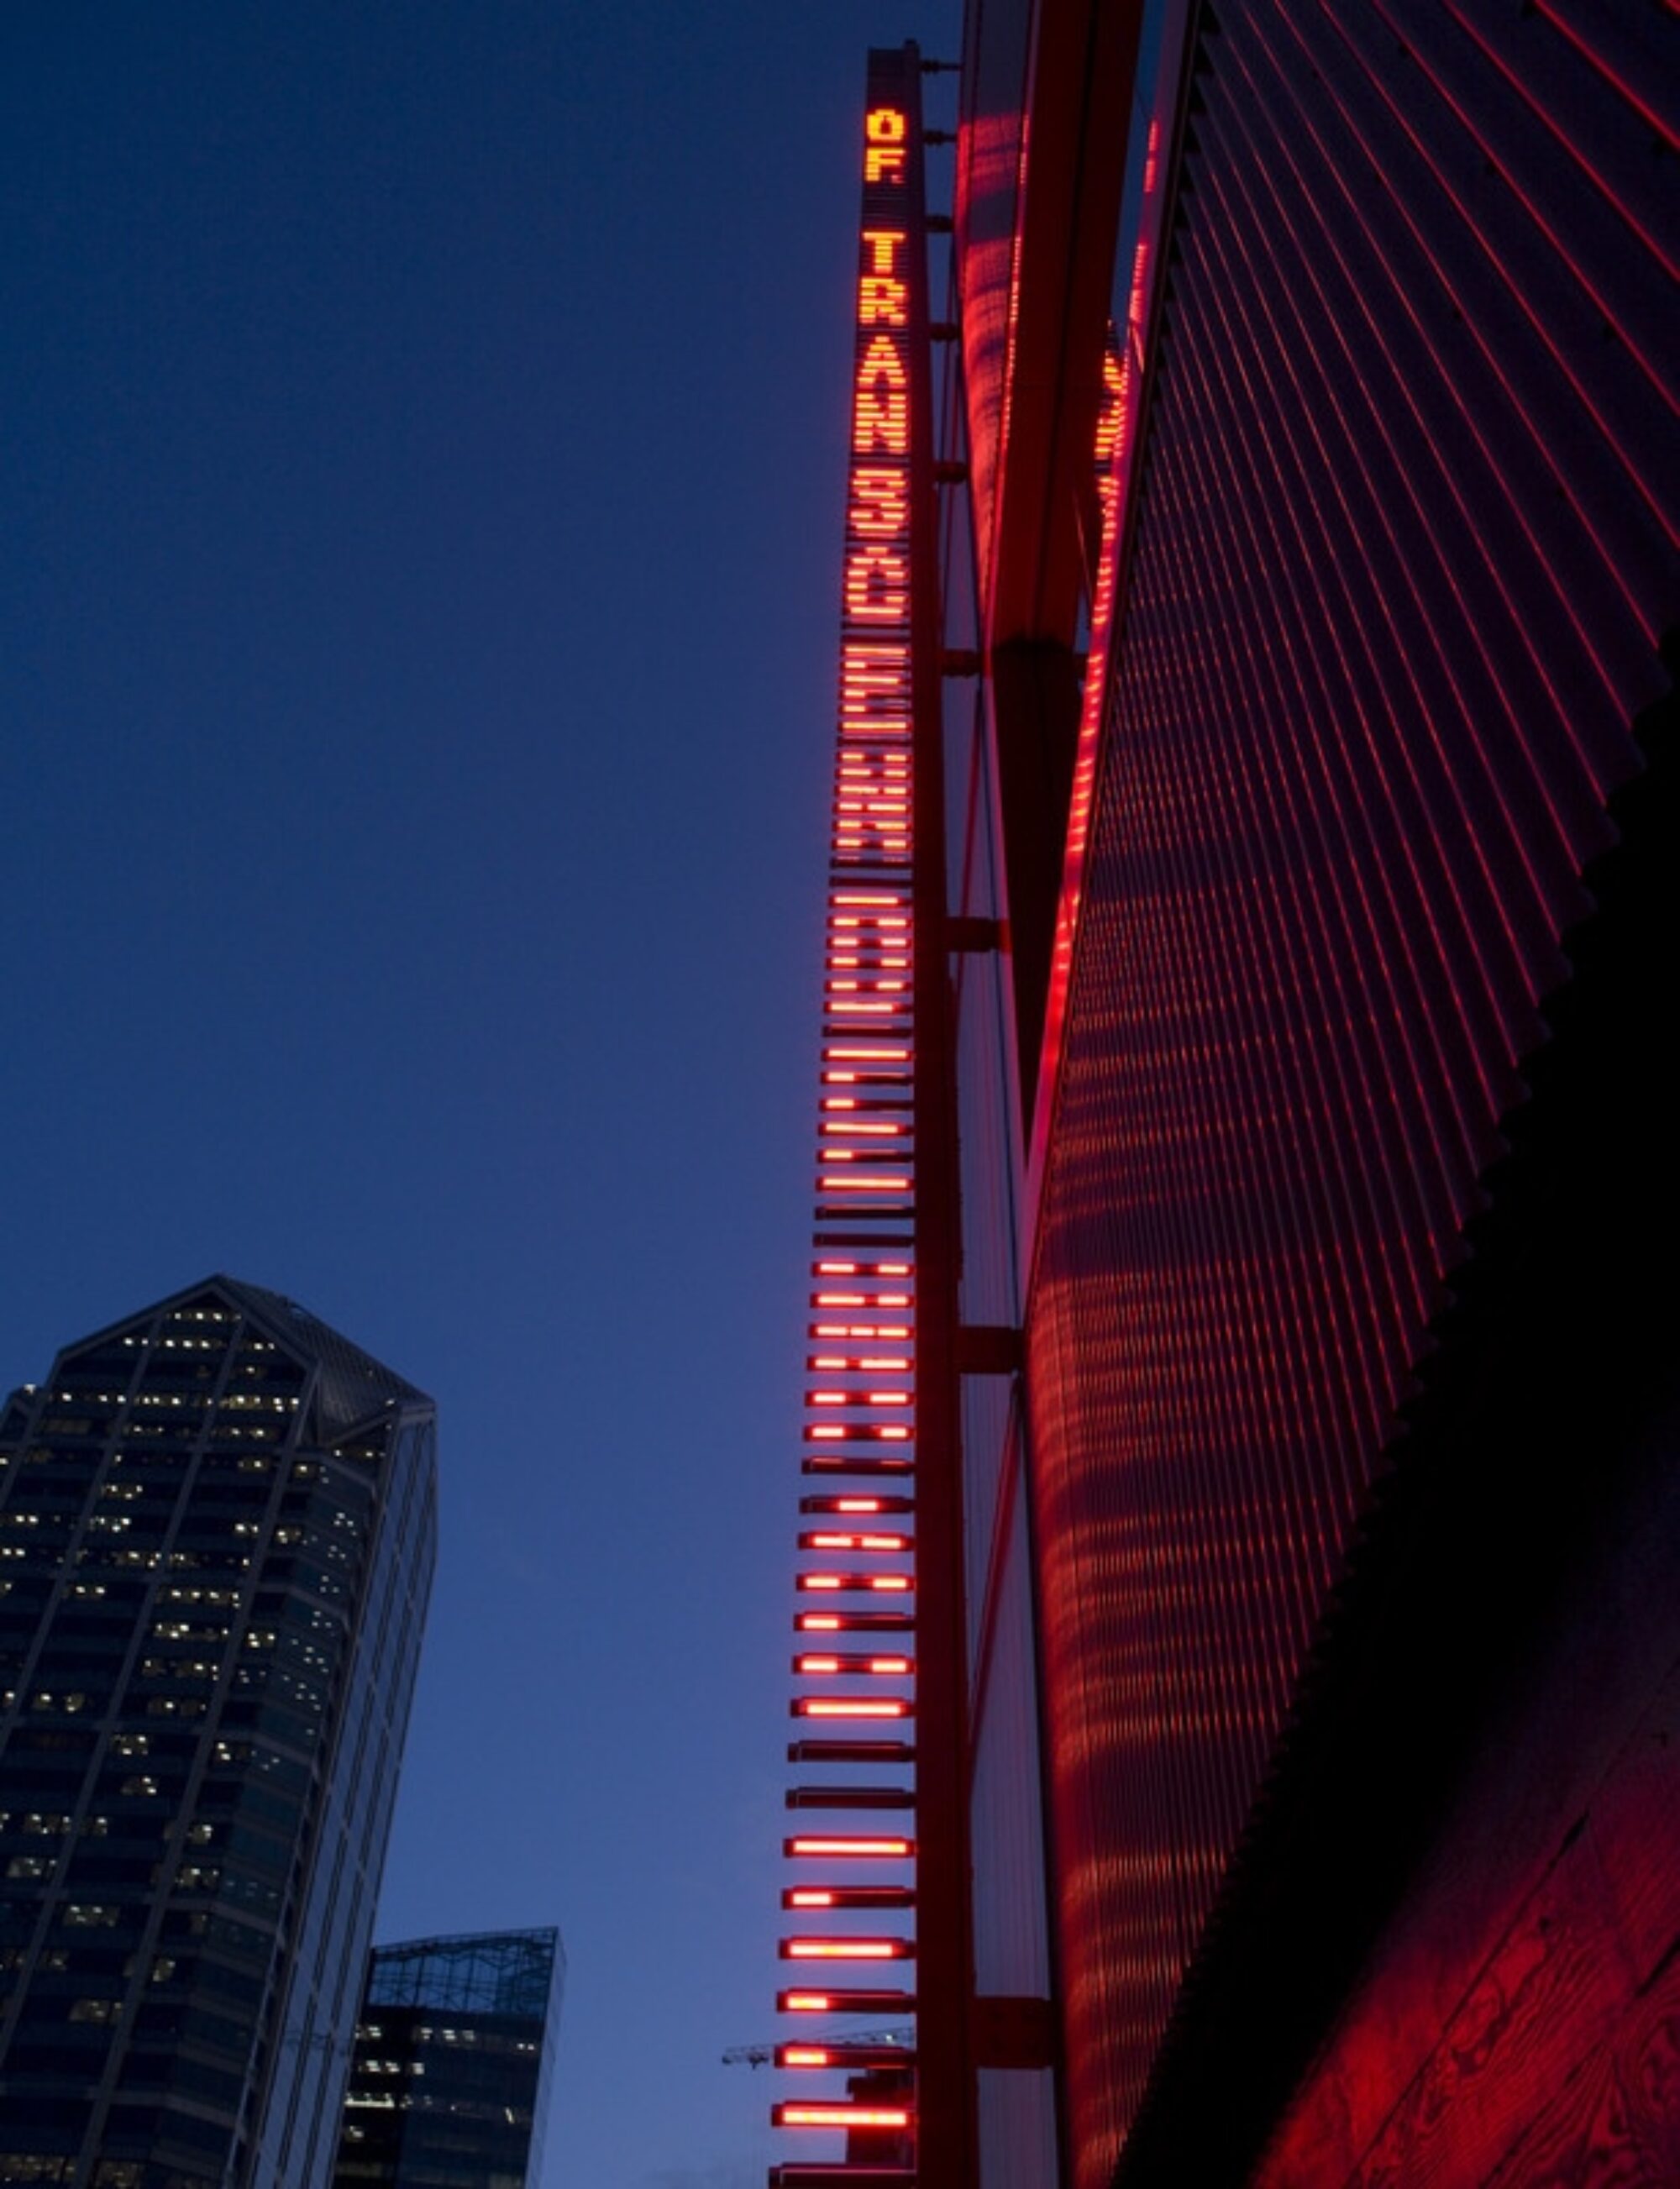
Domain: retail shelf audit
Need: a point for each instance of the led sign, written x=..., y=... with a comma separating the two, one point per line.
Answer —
x=865, y=1154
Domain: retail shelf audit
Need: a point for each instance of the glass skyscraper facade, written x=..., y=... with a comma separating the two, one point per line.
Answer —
x=217, y=1525
x=449, y=2086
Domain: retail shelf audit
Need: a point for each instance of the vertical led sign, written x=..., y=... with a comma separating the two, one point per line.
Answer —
x=871, y=1297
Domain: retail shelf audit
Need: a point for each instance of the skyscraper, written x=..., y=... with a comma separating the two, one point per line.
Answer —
x=454, y=2049
x=217, y=1525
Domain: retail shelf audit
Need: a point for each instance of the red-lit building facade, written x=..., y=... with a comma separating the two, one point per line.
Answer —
x=1273, y=1165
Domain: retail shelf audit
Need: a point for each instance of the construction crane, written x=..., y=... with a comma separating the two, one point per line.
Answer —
x=760, y=2055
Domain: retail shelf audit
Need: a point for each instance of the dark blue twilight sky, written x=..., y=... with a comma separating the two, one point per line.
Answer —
x=423, y=434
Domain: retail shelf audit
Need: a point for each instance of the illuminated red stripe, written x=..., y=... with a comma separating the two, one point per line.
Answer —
x=844, y=1706
x=850, y=1847
x=846, y=1949
x=794, y=2114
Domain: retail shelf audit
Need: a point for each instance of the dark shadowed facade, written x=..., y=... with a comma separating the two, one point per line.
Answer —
x=1310, y=596
x=455, y=2050
x=217, y=1532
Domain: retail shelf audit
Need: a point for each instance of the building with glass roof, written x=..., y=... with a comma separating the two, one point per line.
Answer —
x=454, y=2053
x=217, y=1523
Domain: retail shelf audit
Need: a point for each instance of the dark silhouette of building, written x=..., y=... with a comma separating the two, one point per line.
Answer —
x=1308, y=645
x=217, y=1535
x=454, y=2049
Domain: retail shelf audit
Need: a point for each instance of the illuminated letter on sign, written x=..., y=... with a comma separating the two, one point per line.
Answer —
x=885, y=131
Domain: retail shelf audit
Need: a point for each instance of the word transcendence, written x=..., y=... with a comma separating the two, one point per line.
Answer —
x=873, y=801
x=856, y=1609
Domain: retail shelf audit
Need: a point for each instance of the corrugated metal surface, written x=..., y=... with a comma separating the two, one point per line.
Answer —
x=997, y=64
x=1400, y=566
